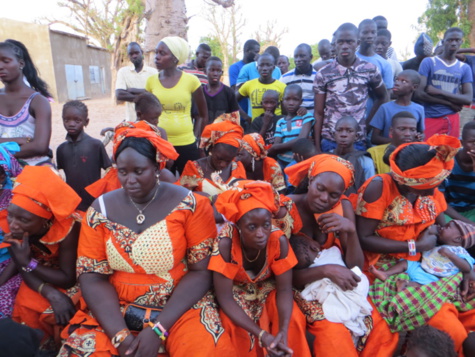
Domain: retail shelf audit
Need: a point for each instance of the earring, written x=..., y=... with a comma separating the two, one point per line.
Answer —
x=157, y=176
x=21, y=68
x=253, y=162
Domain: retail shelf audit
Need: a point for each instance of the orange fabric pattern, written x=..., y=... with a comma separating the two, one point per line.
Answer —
x=398, y=218
x=109, y=182
x=224, y=132
x=273, y=174
x=192, y=178
x=290, y=223
x=145, y=268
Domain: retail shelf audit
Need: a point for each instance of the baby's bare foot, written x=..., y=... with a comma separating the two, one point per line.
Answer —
x=381, y=275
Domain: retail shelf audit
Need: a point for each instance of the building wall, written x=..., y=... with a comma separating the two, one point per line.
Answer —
x=36, y=38
x=72, y=50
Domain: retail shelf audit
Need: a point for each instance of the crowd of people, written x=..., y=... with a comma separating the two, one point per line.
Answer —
x=324, y=210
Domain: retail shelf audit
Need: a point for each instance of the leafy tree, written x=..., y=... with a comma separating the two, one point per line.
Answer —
x=443, y=14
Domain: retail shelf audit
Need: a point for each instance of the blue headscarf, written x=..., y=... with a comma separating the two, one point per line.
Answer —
x=423, y=46
x=9, y=163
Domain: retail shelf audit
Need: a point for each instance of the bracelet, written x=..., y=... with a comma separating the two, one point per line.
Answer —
x=32, y=265
x=120, y=337
x=159, y=325
x=157, y=331
x=259, y=338
x=40, y=288
x=411, y=244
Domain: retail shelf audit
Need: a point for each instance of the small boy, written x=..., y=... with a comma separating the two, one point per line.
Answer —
x=351, y=306
x=255, y=88
x=345, y=136
x=403, y=130
x=405, y=85
x=80, y=156
x=446, y=259
x=265, y=124
x=291, y=127
x=220, y=99
x=427, y=341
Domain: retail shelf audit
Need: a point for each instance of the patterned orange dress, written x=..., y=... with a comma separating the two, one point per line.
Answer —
x=273, y=174
x=400, y=220
x=193, y=178
x=257, y=295
x=144, y=269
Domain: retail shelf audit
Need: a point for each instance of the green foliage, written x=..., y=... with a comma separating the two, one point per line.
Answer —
x=440, y=15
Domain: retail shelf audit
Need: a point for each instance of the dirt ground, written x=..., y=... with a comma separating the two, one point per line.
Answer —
x=102, y=113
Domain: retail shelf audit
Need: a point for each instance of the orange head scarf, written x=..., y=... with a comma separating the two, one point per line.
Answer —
x=40, y=191
x=432, y=173
x=319, y=164
x=224, y=132
x=142, y=129
x=246, y=196
x=254, y=145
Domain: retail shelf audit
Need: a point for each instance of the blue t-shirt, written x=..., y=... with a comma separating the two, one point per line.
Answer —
x=383, y=116
x=448, y=78
x=383, y=66
x=470, y=60
x=281, y=131
x=233, y=76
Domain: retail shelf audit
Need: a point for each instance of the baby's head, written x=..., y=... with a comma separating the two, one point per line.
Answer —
x=305, y=249
x=457, y=233
x=428, y=341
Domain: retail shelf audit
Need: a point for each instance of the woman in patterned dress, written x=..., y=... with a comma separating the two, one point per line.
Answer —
x=146, y=244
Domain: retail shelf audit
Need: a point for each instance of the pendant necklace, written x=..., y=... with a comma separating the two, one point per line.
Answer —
x=141, y=217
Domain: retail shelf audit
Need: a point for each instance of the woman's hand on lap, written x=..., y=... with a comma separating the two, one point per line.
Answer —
x=146, y=344
x=62, y=305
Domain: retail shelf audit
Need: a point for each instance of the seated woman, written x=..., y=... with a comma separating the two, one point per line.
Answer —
x=253, y=155
x=43, y=238
x=328, y=218
x=210, y=175
x=143, y=256
x=394, y=214
x=10, y=280
x=25, y=113
x=252, y=264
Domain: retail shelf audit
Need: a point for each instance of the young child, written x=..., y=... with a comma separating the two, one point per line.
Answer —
x=254, y=89
x=349, y=307
x=403, y=130
x=80, y=156
x=345, y=137
x=220, y=99
x=405, y=85
x=446, y=259
x=147, y=108
x=427, y=341
x=265, y=124
x=291, y=127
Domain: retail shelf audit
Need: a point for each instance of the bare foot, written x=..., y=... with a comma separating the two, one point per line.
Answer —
x=381, y=275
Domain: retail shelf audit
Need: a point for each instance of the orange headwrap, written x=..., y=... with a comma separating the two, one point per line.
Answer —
x=246, y=196
x=254, y=145
x=109, y=182
x=318, y=164
x=225, y=132
x=142, y=129
x=40, y=191
x=435, y=171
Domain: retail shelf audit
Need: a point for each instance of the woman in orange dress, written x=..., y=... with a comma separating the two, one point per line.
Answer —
x=210, y=175
x=252, y=264
x=142, y=263
x=253, y=155
x=43, y=235
x=394, y=214
x=328, y=218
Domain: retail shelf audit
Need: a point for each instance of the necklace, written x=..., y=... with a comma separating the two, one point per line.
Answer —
x=141, y=217
x=250, y=260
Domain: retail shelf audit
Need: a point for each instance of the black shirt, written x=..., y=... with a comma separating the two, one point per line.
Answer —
x=224, y=101
x=256, y=127
x=82, y=161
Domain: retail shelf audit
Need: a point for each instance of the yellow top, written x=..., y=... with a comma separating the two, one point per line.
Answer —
x=176, y=102
x=377, y=153
x=254, y=89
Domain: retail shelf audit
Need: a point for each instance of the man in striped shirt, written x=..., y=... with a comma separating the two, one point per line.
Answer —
x=303, y=75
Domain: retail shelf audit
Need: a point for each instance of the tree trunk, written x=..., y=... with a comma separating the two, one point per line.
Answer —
x=471, y=18
x=164, y=18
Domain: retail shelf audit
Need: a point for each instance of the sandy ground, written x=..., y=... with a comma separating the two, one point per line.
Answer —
x=102, y=113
